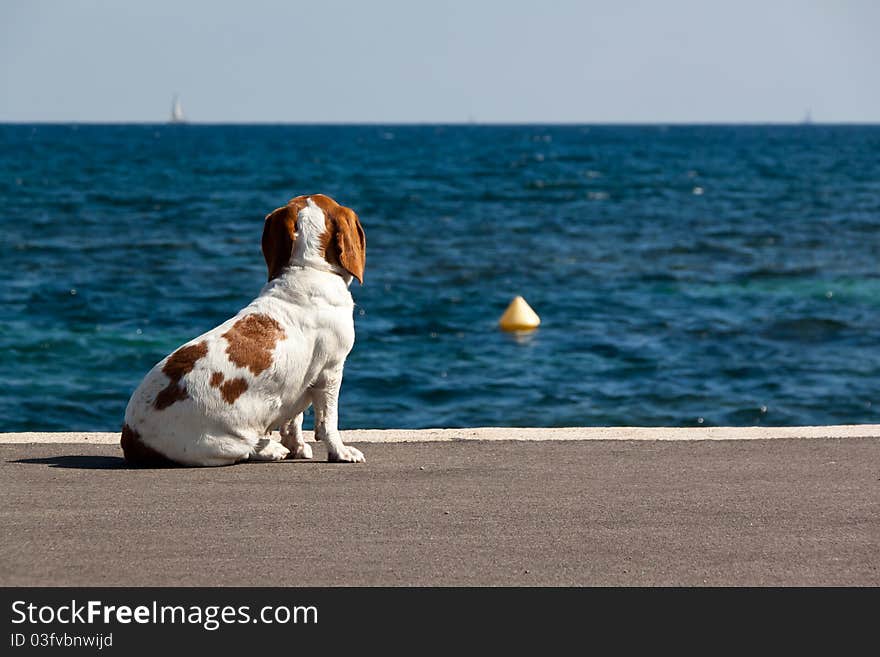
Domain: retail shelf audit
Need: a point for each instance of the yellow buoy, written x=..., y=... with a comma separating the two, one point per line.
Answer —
x=519, y=316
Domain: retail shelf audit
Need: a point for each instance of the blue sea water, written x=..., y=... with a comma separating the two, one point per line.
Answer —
x=685, y=275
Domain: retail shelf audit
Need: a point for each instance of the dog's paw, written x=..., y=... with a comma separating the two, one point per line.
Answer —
x=303, y=451
x=347, y=455
x=269, y=450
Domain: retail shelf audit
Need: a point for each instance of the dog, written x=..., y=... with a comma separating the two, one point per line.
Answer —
x=215, y=400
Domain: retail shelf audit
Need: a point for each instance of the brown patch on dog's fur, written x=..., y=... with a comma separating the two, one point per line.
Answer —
x=173, y=392
x=279, y=230
x=343, y=241
x=233, y=389
x=137, y=453
x=179, y=364
x=251, y=341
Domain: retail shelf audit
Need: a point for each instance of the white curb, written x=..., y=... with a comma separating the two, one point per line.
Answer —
x=518, y=433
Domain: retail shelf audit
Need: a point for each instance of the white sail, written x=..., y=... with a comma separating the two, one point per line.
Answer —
x=177, y=111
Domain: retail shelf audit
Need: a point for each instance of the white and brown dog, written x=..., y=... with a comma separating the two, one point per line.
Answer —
x=215, y=400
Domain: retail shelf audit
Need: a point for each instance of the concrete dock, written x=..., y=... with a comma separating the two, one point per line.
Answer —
x=451, y=507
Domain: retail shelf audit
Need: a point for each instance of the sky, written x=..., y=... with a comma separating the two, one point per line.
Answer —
x=398, y=61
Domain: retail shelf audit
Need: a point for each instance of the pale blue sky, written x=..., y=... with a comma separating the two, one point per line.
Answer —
x=398, y=61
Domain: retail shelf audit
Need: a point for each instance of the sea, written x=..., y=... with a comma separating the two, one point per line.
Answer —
x=684, y=275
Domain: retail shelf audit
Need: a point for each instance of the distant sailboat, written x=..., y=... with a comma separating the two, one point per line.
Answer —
x=177, y=111
x=808, y=118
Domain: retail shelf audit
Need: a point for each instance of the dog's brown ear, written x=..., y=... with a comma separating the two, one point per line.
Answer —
x=279, y=232
x=352, y=243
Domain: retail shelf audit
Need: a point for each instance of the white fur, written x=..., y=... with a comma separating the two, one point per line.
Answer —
x=307, y=247
x=312, y=303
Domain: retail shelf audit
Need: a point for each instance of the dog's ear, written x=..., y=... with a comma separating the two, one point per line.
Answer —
x=351, y=243
x=279, y=232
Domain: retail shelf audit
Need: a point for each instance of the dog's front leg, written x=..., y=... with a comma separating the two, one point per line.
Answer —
x=325, y=399
x=292, y=439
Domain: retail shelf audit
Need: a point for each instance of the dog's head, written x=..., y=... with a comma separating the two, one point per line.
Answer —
x=315, y=230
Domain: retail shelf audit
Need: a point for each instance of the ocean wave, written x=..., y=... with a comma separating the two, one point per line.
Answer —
x=806, y=329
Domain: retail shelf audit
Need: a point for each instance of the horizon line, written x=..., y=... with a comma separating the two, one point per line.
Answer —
x=445, y=123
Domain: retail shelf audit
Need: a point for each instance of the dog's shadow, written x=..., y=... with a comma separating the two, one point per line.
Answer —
x=79, y=462
x=85, y=462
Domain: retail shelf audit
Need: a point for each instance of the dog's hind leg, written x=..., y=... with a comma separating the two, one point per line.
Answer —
x=209, y=450
x=292, y=439
x=267, y=449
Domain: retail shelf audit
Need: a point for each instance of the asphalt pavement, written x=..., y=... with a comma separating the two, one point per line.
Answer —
x=510, y=513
